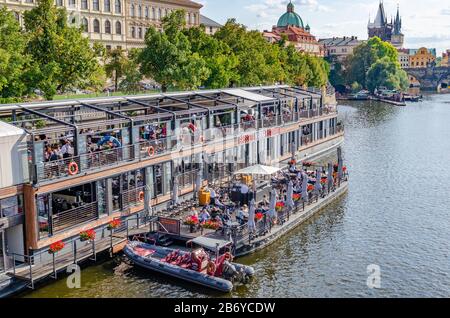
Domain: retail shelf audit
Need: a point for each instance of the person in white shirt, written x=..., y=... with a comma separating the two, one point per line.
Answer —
x=67, y=150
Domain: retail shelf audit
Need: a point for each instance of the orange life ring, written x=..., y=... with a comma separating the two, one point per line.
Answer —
x=211, y=268
x=73, y=168
x=151, y=151
x=141, y=196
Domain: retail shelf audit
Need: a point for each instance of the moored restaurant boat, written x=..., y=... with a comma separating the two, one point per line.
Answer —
x=195, y=266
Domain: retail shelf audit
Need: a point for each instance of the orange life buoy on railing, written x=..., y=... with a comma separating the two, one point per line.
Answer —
x=151, y=151
x=211, y=268
x=73, y=168
x=141, y=196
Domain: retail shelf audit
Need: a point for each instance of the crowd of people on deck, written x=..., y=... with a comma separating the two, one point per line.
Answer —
x=232, y=208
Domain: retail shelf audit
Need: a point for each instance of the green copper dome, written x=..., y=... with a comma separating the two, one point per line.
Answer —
x=290, y=18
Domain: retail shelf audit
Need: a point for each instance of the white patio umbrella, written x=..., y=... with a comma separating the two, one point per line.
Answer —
x=175, y=198
x=272, y=203
x=318, y=185
x=290, y=192
x=147, y=200
x=198, y=184
x=340, y=164
x=330, y=180
x=305, y=195
x=251, y=217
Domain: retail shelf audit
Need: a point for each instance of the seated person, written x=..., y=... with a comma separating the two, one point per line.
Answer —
x=204, y=216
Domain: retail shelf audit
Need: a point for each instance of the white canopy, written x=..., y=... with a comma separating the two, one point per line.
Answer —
x=209, y=243
x=247, y=95
x=259, y=170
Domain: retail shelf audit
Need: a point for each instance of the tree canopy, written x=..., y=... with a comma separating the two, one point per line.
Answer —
x=168, y=58
x=14, y=62
x=373, y=63
x=62, y=58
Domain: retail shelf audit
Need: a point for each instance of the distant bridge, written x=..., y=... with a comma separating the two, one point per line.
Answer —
x=431, y=78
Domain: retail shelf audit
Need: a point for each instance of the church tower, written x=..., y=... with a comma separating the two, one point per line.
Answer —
x=397, y=36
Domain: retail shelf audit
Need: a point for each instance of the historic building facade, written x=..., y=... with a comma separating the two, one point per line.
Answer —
x=422, y=57
x=115, y=23
x=445, y=58
x=339, y=48
x=211, y=26
x=387, y=31
x=291, y=26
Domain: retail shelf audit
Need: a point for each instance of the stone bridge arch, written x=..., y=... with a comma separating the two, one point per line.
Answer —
x=430, y=78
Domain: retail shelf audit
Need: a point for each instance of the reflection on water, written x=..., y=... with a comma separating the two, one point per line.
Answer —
x=396, y=215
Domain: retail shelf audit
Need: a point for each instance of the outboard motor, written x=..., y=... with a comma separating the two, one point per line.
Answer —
x=231, y=273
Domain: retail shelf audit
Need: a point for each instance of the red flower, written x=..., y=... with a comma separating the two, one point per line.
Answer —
x=56, y=247
x=296, y=196
x=259, y=216
x=87, y=235
x=212, y=225
x=191, y=220
x=114, y=224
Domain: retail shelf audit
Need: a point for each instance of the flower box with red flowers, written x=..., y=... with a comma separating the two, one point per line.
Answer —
x=308, y=164
x=259, y=216
x=191, y=220
x=56, y=247
x=88, y=235
x=114, y=224
x=296, y=196
x=279, y=206
x=211, y=225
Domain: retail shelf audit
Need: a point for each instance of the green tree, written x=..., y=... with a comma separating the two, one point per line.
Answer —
x=14, y=62
x=167, y=57
x=132, y=76
x=387, y=73
x=259, y=62
x=116, y=63
x=62, y=58
x=219, y=58
x=365, y=55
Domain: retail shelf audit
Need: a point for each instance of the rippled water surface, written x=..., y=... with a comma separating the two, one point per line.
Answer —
x=395, y=215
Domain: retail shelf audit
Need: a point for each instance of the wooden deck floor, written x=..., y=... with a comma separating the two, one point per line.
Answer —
x=84, y=252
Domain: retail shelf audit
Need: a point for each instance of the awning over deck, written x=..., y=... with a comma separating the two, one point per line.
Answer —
x=248, y=95
x=211, y=244
x=258, y=170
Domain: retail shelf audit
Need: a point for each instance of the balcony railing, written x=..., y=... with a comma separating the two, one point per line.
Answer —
x=73, y=217
x=133, y=197
x=99, y=160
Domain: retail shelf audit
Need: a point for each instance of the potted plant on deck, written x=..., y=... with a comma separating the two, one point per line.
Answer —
x=114, y=224
x=88, y=235
x=192, y=221
x=211, y=225
x=56, y=247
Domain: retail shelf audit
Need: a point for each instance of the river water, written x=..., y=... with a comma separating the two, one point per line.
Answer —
x=396, y=215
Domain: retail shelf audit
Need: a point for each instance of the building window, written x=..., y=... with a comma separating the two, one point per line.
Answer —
x=96, y=5
x=118, y=6
x=159, y=14
x=17, y=16
x=153, y=13
x=132, y=10
x=59, y=3
x=139, y=11
x=107, y=6
x=146, y=13
x=11, y=206
x=118, y=27
x=140, y=33
x=211, y=30
x=84, y=4
x=133, y=32
x=85, y=25
x=29, y=1
x=96, y=26
x=107, y=27
x=72, y=3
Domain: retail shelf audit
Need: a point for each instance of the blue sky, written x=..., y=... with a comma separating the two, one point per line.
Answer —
x=425, y=22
